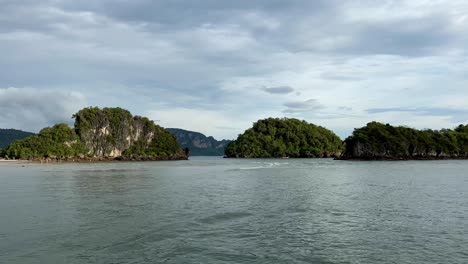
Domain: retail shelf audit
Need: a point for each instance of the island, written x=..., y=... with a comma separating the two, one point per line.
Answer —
x=99, y=134
x=198, y=143
x=378, y=141
x=285, y=138
x=9, y=135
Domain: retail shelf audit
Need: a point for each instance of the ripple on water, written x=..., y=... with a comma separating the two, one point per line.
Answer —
x=223, y=217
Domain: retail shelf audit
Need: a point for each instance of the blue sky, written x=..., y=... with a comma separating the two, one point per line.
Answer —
x=218, y=66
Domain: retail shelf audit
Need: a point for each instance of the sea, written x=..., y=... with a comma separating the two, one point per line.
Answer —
x=215, y=210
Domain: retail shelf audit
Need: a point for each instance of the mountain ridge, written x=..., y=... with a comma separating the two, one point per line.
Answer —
x=198, y=143
x=7, y=136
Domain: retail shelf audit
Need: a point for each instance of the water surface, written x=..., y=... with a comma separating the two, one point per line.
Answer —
x=213, y=210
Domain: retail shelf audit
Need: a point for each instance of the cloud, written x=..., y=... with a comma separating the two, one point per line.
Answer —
x=345, y=108
x=310, y=105
x=278, y=90
x=209, y=122
x=211, y=57
x=32, y=109
x=457, y=114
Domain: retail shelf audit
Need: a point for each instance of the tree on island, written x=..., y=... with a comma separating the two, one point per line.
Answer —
x=285, y=137
x=383, y=141
x=99, y=133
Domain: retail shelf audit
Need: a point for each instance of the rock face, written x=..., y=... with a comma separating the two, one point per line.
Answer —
x=199, y=144
x=377, y=141
x=114, y=132
x=99, y=134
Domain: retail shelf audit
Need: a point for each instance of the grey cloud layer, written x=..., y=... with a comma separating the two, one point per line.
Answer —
x=212, y=56
x=459, y=115
x=302, y=106
x=279, y=90
x=31, y=109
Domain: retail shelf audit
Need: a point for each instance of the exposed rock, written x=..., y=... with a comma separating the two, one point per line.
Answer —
x=115, y=133
x=99, y=135
x=199, y=144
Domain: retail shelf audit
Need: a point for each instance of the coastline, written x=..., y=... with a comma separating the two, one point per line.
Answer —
x=401, y=158
x=93, y=160
x=5, y=161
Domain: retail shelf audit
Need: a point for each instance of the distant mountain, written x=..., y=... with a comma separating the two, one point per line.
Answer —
x=9, y=135
x=199, y=144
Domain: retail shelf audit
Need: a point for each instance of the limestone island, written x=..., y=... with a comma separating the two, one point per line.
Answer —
x=99, y=135
x=377, y=141
x=285, y=138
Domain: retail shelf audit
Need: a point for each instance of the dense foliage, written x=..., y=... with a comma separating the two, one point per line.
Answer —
x=99, y=134
x=106, y=130
x=117, y=122
x=285, y=137
x=9, y=135
x=377, y=140
x=59, y=141
x=163, y=145
x=199, y=144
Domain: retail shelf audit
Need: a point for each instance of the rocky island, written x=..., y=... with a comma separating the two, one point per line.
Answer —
x=377, y=141
x=99, y=134
x=285, y=138
x=198, y=143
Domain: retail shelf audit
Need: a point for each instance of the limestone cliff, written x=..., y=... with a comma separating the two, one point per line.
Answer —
x=114, y=132
x=99, y=134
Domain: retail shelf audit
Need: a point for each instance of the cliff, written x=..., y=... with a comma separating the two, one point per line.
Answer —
x=377, y=141
x=199, y=144
x=100, y=134
x=285, y=137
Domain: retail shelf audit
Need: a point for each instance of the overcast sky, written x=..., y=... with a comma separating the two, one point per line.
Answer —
x=217, y=66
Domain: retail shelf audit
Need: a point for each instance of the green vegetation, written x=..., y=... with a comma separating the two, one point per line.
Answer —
x=99, y=134
x=381, y=141
x=164, y=145
x=285, y=137
x=105, y=131
x=59, y=141
x=9, y=135
x=115, y=133
x=116, y=121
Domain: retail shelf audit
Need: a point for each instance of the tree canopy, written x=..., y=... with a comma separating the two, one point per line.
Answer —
x=378, y=140
x=59, y=141
x=99, y=133
x=285, y=137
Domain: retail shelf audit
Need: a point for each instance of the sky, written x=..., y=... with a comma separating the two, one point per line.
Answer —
x=218, y=66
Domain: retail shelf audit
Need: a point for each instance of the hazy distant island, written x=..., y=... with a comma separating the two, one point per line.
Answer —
x=199, y=144
x=99, y=134
x=377, y=141
x=285, y=138
x=9, y=135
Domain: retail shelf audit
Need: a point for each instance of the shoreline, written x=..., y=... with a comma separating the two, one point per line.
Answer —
x=5, y=161
x=90, y=160
x=399, y=158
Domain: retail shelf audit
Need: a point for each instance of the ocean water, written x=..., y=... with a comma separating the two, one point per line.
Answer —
x=214, y=210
